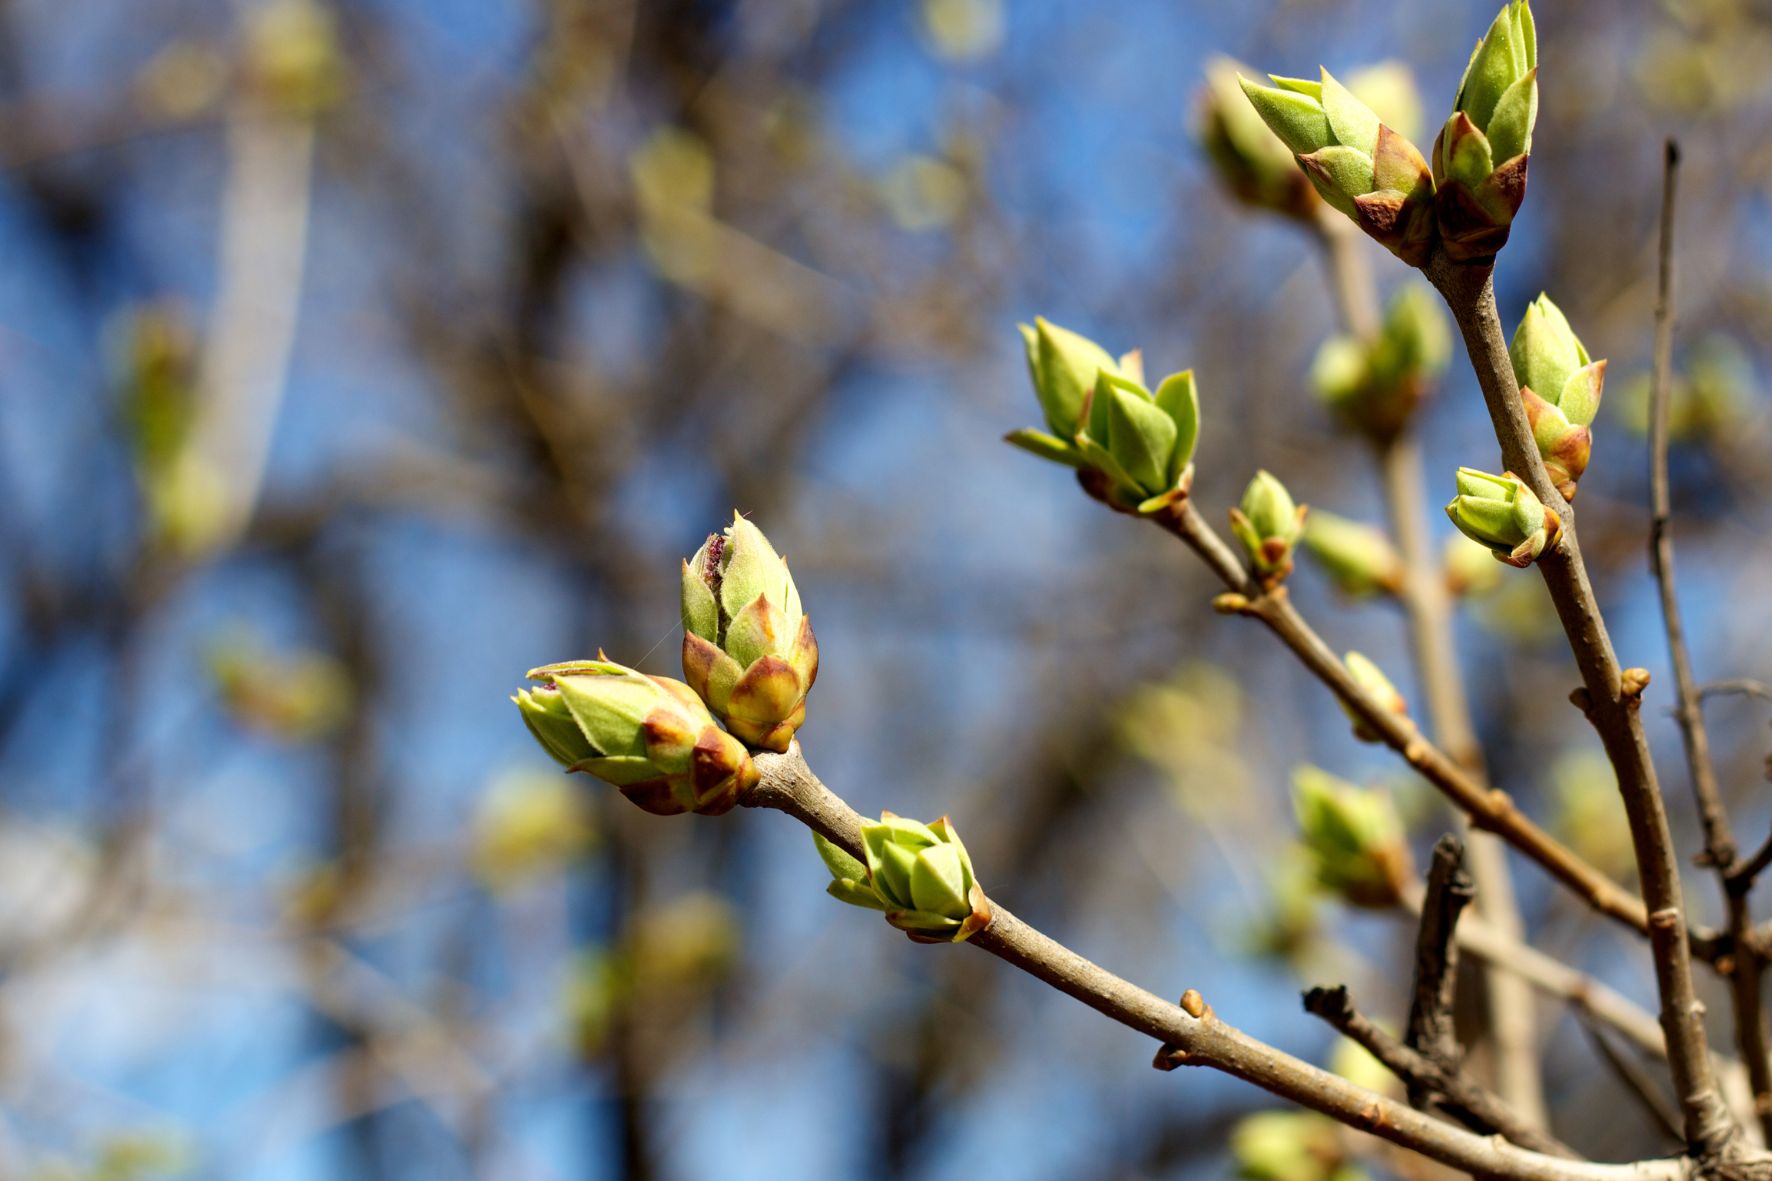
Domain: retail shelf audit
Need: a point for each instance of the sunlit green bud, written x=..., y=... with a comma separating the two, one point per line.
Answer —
x=1480, y=158
x=1132, y=449
x=1358, y=558
x=1469, y=567
x=748, y=648
x=1269, y=525
x=650, y=737
x=1359, y=165
x=1250, y=161
x=1374, y=386
x=1353, y=836
x=918, y=874
x=1371, y=679
x=1561, y=387
x=1503, y=514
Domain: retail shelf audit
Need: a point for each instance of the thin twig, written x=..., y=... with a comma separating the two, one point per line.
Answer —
x=1489, y=809
x=1719, y=837
x=1195, y=1036
x=1449, y=891
x=1612, y=706
x=1459, y=1094
x=1741, y=686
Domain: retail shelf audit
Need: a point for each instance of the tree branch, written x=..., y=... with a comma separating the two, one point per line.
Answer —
x=1427, y=607
x=1719, y=837
x=1195, y=1036
x=1612, y=706
x=1489, y=809
x=1460, y=1095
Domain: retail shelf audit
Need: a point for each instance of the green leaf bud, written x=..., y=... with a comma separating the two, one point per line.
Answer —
x=1269, y=525
x=1560, y=386
x=920, y=875
x=1353, y=836
x=748, y=647
x=1375, y=386
x=1481, y=156
x=1503, y=514
x=1358, y=558
x=1360, y=166
x=650, y=737
x=1371, y=679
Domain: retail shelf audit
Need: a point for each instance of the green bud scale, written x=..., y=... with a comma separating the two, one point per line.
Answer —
x=650, y=737
x=748, y=648
x=919, y=875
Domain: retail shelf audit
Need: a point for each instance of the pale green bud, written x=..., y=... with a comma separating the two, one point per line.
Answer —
x=1358, y=558
x=1503, y=514
x=1269, y=525
x=1372, y=681
x=748, y=647
x=1374, y=386
x=1291, y=1146
x=920, y=875
x=1354, y=837
x=1561, y=387
x=650, y=737
x=1480, y=158
x=1367, y=170
x=1133, y=449
x=1249, y=159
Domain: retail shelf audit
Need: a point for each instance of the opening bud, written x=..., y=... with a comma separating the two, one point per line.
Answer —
x=1269, y=525
x=650, y=737
x=1359, y=165
x=1500, y=512
x=1353, y=836
x=1560, y=386
x=918, y=874
x=1480, y=158
x=748, y=647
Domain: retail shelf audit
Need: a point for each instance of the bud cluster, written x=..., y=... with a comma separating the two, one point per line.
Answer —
x=1354, y=838
x=918, y=874
x=1374, y=386
x=1132, y=448
x=1466, y=198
